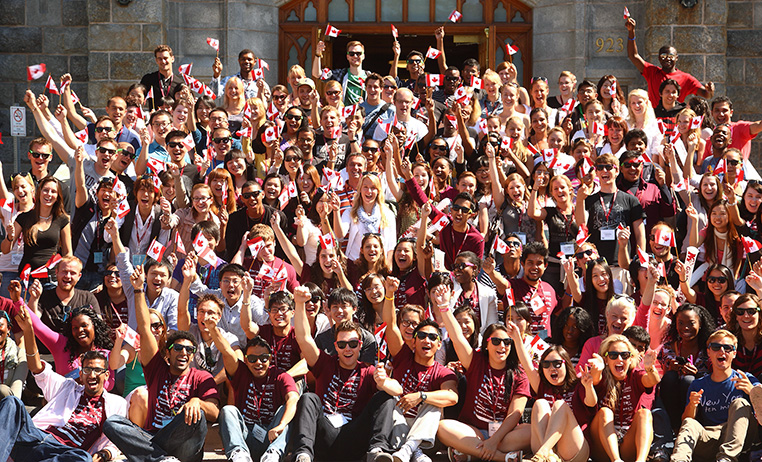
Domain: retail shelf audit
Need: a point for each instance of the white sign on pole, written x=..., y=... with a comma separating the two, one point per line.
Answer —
x=18, y=121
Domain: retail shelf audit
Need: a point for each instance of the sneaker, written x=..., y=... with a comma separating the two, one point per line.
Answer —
x=302, y=457
x=419, y=456
x=402, y=455
x=270, y=456
x=457, y=456
x=514, y=456
x=756, y=402
x=240, y=455
x=378, y=455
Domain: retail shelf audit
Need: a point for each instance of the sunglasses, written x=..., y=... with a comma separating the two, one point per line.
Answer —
x=438, y=147
x=601, y=167
x=743, y=311
x=584, y=253
x=227, y=139
x=414, y=61
x=369, y=149
x=38, y=155
x=427, y=335
x=556, y=363
x=108, y=151
x=713, y=279
x=451, y=78
x=291, y=159
x=722, y=346
x=541, y=79
x=342, y=344
x=407, y=323
x=315, y=299
x=666, y=55
x=23, y=175
x=180, y=348
x=280, y=97
x=263, y=358
x=93, y=370
x=371, y=234
x=250, y=194
x=354, y=53
x=463, y=265
x=513, y=244
x=460, y=208
x=174, y=144
x=618, y=354
x=157, y=325
x=293, y=117
x=632, y=164
x=127, y=153
x=104, y=129
x=112, y=273
x=496, y=341
x=733, y=162
x=332, y=93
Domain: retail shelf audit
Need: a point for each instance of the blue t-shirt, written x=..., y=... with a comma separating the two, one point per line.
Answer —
x=717, y=397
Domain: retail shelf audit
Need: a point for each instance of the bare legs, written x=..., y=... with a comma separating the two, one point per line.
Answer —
x=636, y=442
x=554, y=428
x=465, y=438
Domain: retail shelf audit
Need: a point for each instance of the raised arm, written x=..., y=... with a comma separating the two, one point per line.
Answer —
x=685, y=284
x=62, y=149
x=68, y=102
x=24, y=320
x=121, y=352
x=497, y=186
x=317, y=62
x=441, y=300
x=302, y=331
x=441, y=60
x=189, y=275
x=285, y=243
x=396, y=50
x=79, y=177
x=394, y=340
x=632, y=48
x=148, y=345
x=524, y=357
x=389, y=171
x=229, y=357
x=250, y=328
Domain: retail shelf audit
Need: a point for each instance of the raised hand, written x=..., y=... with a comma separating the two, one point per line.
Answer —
x=137, y=278
x=302, y=294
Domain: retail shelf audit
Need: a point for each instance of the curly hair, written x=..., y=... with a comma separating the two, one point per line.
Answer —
x=584, y=322
x=102, y=338
x=706, y=324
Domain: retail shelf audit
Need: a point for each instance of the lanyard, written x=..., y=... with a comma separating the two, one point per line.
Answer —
x=347, y=383
x=161, y=84
x=258, y=401
x=463, y=242
x=567, y=223
x=611, y=205
x=146, y=227
x=494, y=398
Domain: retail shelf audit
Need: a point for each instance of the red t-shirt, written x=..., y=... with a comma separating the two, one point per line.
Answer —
x=343, y=391
x=412, y=290
x=286, y=351
x=575, y=398
x=85, y=424
x=416, y=377
x=633, y=396
x=452, y=243
x=168, y=393
x=259, y=399
x=486, y=400
x=259, y=272
x=523, y=292
x=740, y=138
x=655, y=75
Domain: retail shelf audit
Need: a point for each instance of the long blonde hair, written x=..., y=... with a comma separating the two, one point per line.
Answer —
x=688, y=112
x=649, y=115
x=226, y=102
x=256, y=123
x=611, y=386
x=357, y=202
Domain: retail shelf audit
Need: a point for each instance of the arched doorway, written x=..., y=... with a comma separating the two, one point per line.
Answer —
x=486, y=26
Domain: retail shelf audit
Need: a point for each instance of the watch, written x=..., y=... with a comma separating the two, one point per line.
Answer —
x=423, y=396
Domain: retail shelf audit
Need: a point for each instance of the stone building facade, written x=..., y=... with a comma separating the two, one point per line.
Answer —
x=106, y=45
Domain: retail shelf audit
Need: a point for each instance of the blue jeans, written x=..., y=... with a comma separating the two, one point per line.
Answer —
x=178, y=439
x=236, y=434
x=23, y=441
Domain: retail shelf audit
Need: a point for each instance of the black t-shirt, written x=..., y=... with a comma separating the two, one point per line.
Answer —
x=320, y=151
x=54, y=312
x=46, y=244
x=625, y=210
x=561, y=228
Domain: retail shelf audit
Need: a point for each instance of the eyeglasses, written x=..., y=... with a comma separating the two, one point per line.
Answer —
x=513, y=244
x=126, y=153
x=369, y=149
x=293, y=117
x=23, y=175
x=408, y=323
x=601, y=167
x=666, y=55
x=743, y=311
x=632, y=164
x=108, y=151
x=263, y=358
x=371, y=234
x=201, y=199
x=427, y=335
x=438, y=147
x=38, y=155
x=315, y=299
x=93, y=371
x=556, y=363
x=342, y=344
x=174, y=144
x=279, y=309
x=291, y=159
x=618, y=354
x=354, y=54
x=714, y=346
x=250, y=194
x=733, y=162
x=104, y=129
x=463, y=265
x=161, y=124
x=496, y=341
x=157, y=325
x=280, y=97
x=332, y=93
x=713, y=279
x=460, y=208
x=222, y=140
x=180, y=348
x=583, y=253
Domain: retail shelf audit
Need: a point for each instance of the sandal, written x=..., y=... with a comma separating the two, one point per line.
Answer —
x=457, y=456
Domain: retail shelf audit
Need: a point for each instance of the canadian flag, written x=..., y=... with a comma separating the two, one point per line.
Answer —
x=598, y=128
x=452, y=119
x=132, y=338
x=750, y=245
x=267, y=272
x=224, y=195
x=208, y=92
x=188, y=142
x=214, y=43
x=679, y=186
x=582, y=235
x=156, y=165
x=696, y=122
x=674, y=136
x=476, y=82
x=247, y=110
x=664, y=237
x=272, y=111
x=506, y=142
x=482, y=126
x=645, y=158
x=270, y=134
x=548, y=155
x=500, y=246
x=7, y=206
x=439, y=224
x=612, y=89
x=455, y=16
x=533, y=149
x=119, y=189
x=380, y=335
x=40, y=273
x=156, y=183
x=416, y=102
x=535, y=345
x=561, y=163
x=348, y=111
x=662, y=127
x=50, y=85
x=512, y=49
x=283, y=198
x=327, y=242
x=200, y=243
x=255, y=245
x=150, y=93
x=626, y=13
x=247, y=132
x=587, y=166
x=433, y=53
x=258, y=73
x=325, y=74
x=179, y=246
x=433, y=80
x=332, y=31
x=333, y=133
x=25, y=275
x=65, y=85
x=82, y=135
x=185, y=69
x=462, y=96
x=410, y=140
x=262, y=64
x=292, y=189
x=36, y=71
x=643, y=257
x=395, y=32
x=720, y=167
x=156, y=250
x=569, y=105
x=122, y=209
x=537, y=303
x=75, y=98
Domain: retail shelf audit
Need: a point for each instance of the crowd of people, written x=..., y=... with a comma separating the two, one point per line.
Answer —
x=387, y=267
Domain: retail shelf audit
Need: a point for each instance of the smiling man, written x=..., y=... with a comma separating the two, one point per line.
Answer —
x=656, y=200
x=459, y=235
x=69, y=427
x=534, y=259
x=57, y=302
x=163, y=81
x=351, y=78
x=342, y=306
x=720, y=143
x=247, y=61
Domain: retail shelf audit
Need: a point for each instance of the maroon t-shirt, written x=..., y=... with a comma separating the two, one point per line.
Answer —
x=328, y=284
x=486, y=400
x=168, y=393
x=523, y=292
x=452, y=243
x=575, y=398
x=85, y=424
x=285, y=350
x=259, y=399
x=412, y=290
x=633, y=396
x=416, y=377
x=343, y=391
x=259, y=272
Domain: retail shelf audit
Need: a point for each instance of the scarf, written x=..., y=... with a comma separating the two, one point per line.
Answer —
x=727, y=255
x=371, y=223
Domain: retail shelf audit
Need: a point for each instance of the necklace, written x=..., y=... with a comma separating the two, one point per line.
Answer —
x=45, y=218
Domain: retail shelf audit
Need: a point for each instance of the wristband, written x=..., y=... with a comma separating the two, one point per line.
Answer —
x=31, y=354
x=444, y=308
x=388, y=298
x=683, y=280
x=137, y=291
x=632, y=39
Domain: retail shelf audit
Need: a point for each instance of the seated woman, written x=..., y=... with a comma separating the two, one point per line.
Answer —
x=13, y=368
x=470, y=292
x=719, y=279
x=744, y=324
x=620, y=314
x=572, y=328
x=597, y=291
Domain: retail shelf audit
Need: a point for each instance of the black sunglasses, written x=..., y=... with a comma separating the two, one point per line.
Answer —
x=222, y=140
x=104, y=129
x=112, y=273
x=713, y=279
x=632, y=164
x=460, y=208
x=496, y=341
x=156, y=325
x=414, y=61
x=733, y=162
x=108, y=151
x=341, y=344
x=354, y=53
x=250, y=194
x=38, y=155
x=180, y=348
x=293, y=117
x=174, y=144
x=584, y=253
x=370, y=149
x=263, y=358
x=743, y=311
x=618, y=354
x=424, y=335
x=557, y=363
x=438, y=147
x=601, y=167
x=280, y=97
x=721, y=346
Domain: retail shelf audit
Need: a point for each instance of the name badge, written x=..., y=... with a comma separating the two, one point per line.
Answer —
x=16, y=258
x=259, y=433
x=138, y=259
x=492, y=427
x=608, y=234
x=337, y=420
x=567, y=248
x=522, y=237
x=97, y=257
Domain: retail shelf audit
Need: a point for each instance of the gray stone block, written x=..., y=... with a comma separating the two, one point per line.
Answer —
x=699, y=39
x=735, y=70
x=716, y=68
x=554, y=44
x=251, y=16
x=201, y=15
x=121, y=37
x=753, y=70
x=98, y=11
x=740, y=15
x=101, y=91
x=74, y=13
x=80, y=88
x=745, y=98
x=194, y=41
x=21, y=39
x=153, y=35
x=98, y=66
x=12, y=68
x=138, y=11
x=43, y=12
x=66, y=40
x=661, y=12
x=715, y=12
x=78, y=68
x=757, y=14
x=692, y=64
x=744, y=42
x=12, y=13
x=131, y=66
x=655, y=38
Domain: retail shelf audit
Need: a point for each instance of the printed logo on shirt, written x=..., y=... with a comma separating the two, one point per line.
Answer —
x=259, y=407
x=172, y=396
x=341, y=396
x=490, y=402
